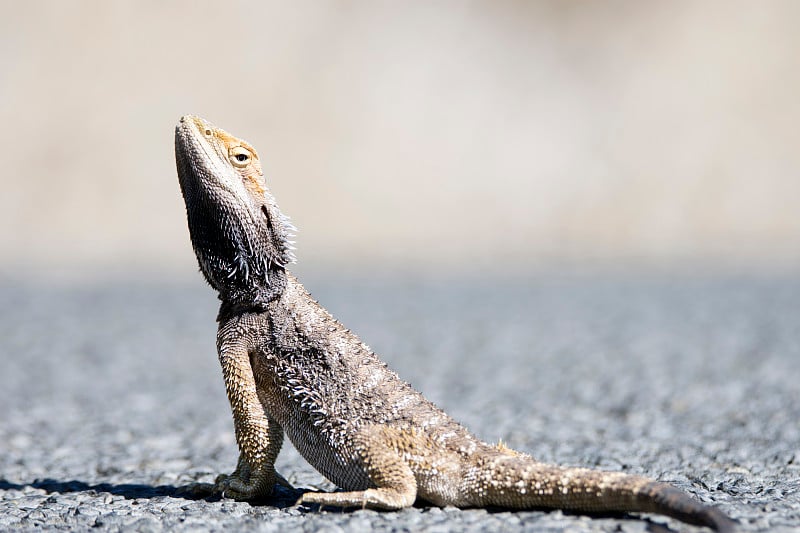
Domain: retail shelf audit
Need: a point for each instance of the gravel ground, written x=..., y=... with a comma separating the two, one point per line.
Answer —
x=112, y=398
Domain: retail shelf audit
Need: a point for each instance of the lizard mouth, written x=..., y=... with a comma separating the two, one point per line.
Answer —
x=194, y=127
x=204, y=157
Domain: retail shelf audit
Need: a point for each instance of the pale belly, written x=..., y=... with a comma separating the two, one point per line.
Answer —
x=345, y=471
x=322, y=449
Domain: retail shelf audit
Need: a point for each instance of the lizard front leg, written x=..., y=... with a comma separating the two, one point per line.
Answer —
x=258, y=436
x=380, y=450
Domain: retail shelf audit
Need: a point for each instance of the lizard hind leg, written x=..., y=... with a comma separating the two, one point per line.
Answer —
x=393, y=483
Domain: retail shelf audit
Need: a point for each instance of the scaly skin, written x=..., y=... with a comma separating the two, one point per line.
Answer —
x=290, y=367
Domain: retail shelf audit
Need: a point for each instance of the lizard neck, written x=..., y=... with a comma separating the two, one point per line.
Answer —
x=252, y=298
x=254, y=295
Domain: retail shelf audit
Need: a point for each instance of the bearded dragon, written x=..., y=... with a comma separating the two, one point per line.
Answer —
x=292, y=369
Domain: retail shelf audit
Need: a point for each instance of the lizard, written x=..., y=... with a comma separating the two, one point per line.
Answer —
x=290, y=368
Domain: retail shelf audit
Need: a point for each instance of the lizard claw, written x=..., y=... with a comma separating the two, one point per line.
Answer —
x=249, y=487
x=305, y=500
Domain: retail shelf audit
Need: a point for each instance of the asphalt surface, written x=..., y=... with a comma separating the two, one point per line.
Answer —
x=112, y=399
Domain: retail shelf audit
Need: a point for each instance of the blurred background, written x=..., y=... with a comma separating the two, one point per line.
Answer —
x=572, y=224
x=427, y=138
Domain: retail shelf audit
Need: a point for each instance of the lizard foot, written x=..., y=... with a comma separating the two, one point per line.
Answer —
x=388, y=499
x=249, y=485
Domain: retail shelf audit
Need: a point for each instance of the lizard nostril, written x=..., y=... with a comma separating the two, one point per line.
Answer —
x=208, y=132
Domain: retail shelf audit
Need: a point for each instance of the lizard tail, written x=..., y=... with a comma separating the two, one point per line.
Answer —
x=518, y=481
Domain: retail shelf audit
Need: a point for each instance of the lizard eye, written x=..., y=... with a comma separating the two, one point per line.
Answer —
x=240, y=156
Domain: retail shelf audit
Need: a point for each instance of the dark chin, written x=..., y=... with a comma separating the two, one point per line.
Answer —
x=238, y=261
x=228, y=265
x=214, y=250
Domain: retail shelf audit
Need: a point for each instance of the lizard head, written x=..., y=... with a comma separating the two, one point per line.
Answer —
x=241, y=239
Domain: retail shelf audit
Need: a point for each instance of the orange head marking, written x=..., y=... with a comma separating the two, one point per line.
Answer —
x=244, y=159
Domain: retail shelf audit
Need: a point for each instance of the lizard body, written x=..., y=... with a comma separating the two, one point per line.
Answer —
x=290, y=368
